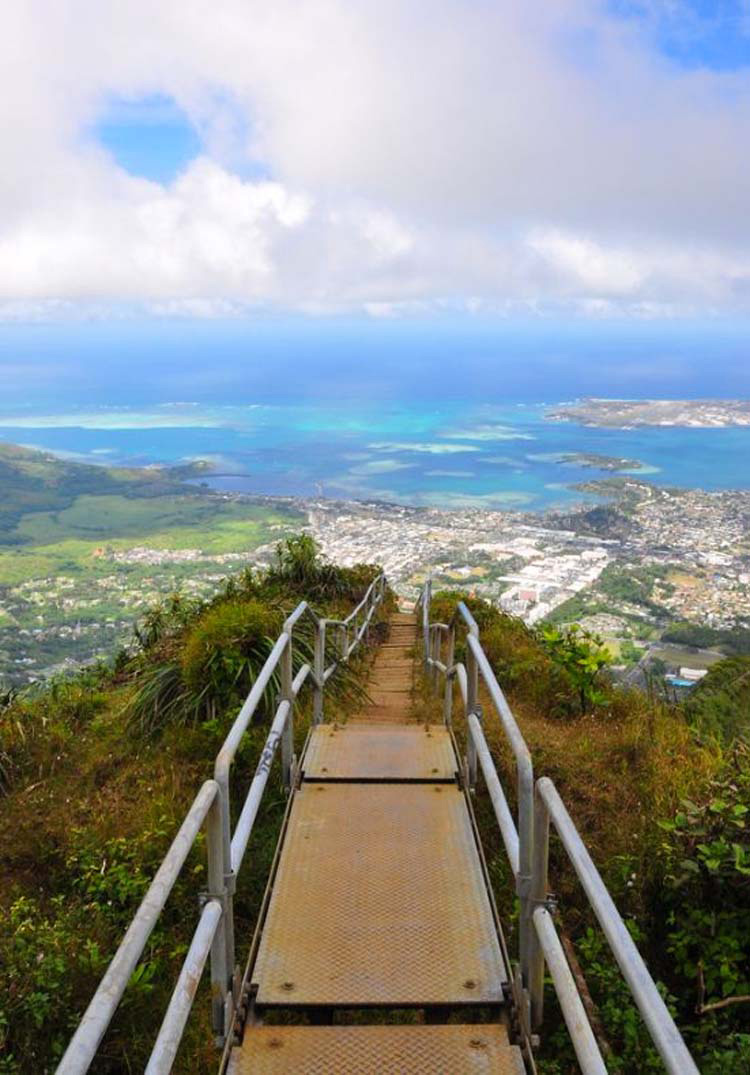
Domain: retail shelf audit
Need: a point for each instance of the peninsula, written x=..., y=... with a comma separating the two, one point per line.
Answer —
x=629, y=414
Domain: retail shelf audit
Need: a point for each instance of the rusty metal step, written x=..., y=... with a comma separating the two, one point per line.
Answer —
x=379, y=900
x=379, y=752
x=376, y=1050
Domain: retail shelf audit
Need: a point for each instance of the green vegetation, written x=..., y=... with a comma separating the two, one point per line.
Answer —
x=635, y=585
x=34, y=481
x=582, y=657
x=85, y=548
x=640, y=587
x=96, y=772
x=734, y=643
x=662, y=801
x=719, y=706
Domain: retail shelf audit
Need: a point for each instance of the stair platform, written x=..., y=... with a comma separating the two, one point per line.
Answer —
x=385, y=752
x=376, y=1050
x=379, y=900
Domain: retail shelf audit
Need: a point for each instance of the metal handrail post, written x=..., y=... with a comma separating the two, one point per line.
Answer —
x=581, y=1035
x=526, y=934
x=450, y=657
x=221, y=967
x=83, y=1045
x=664, y=1033
x=436, y=640
x=538, y=898
x=287, y=695
x=226, y=927
x=426, y=602
x=319, y=662
x=472, y=707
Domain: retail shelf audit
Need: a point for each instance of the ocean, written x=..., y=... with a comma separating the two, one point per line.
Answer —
x=447, y=455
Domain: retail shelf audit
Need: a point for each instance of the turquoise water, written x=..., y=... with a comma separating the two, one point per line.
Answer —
x=455, y=455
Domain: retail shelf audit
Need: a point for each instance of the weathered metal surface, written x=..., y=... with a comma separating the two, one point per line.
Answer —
x=383, y=714
x=379, y=900
x=376, y=1050
x=380, y=752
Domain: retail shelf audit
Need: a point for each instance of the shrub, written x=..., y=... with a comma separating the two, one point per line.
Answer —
x=300, y=570
x=223, y=652
x=217, y=662
x=706, y=900
x=582, y=657
x=557, y=672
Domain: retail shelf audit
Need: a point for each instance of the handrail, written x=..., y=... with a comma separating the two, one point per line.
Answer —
x=664, y=1034
x=214, y=932
x=519, y=844
x=85, y=1042
x=585, y=1044
x=527, y=849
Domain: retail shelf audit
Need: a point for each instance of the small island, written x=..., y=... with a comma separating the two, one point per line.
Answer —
x=630, y=414
x=609, y=463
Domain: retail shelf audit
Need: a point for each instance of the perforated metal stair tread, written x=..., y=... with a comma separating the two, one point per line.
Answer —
x=376, y=1050
x=379, y=900
x=380, y=752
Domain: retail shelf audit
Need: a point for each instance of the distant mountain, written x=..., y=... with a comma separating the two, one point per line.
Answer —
x=32, y=481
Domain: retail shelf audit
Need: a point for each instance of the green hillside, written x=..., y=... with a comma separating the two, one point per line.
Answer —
x=720, y=704
x=83, y=549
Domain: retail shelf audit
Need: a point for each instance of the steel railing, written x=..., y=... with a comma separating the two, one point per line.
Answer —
x=214, y=934
x=527, y=847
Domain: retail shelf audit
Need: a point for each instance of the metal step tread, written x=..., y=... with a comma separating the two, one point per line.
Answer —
x=379, y=900
x=379, y=752
x=454, y=1049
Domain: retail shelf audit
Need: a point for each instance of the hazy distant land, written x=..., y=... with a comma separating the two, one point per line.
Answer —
x=628, y=414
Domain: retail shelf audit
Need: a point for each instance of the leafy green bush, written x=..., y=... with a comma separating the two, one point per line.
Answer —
x=197, y=660
x=218, y=659
x=53, y=954
x=582, y=656
x=706, y=905
x=557, y=671
x=632, y=1048
x=223, y=652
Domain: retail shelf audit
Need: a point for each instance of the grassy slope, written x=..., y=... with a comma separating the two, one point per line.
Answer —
x=92, y=804
x=622, y=769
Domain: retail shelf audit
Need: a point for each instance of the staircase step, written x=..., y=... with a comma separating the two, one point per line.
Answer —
x=379, y=900
x=380, y=752
x=454, y=1049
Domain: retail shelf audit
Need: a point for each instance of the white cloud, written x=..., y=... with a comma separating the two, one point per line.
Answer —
x=486, y=156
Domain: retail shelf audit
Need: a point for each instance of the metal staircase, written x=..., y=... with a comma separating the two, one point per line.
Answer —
x=379, y=947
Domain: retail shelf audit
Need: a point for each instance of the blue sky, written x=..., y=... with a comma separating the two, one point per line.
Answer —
x=494, y=161
x=697, y=33
x=149, y=136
